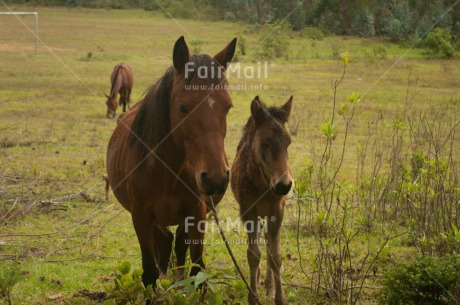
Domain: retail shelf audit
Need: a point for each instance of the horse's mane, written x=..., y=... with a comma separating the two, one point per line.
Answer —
x=249, y=129
x=152, y=122
x=114, y=80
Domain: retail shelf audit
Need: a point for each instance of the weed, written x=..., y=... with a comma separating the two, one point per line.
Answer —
x=208, y=287
x=10, y=275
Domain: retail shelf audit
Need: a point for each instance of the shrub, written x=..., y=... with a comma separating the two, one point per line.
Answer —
x=274, y=42
x=393, y=29
x=197, y=46
x=312, y=33
x=438, y=43
x=428, y=280
x=242, y=45
x=380, y=52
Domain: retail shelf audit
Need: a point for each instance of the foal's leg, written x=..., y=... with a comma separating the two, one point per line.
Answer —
x=274, y=259
x=163, y=246
x=269, y=279
x=144, y=227
x=252, y=227
x=180, y=248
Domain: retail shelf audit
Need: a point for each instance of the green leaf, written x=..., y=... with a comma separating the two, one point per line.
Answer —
x=124, y=267
x=126, y=280
x=165, y=283
x=345, y=58
x=138, y=272
x=200, y=278
x=354, y=98
x=181, y=283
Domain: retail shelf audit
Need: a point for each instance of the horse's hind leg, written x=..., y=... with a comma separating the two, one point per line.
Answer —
x=180, y=248
x=163, y=246
x=128, y=98
x=144, y=228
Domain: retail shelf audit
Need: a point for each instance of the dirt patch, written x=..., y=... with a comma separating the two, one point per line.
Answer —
x=85, y=293
x=17, y=47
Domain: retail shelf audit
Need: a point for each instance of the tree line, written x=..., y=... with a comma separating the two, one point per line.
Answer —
x=397, y=19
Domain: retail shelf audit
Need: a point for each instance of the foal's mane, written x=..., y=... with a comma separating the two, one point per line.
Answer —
x=114, y=80
x=152, y=123
x=271, y=113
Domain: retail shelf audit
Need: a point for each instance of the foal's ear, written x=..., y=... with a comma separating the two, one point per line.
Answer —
x=181, y=54
x=225, y=56
x=258, y=110
x=106, y=95
x=286, y=109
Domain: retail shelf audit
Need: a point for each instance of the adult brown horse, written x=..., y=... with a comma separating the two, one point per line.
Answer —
x=260, y=181
x=167, y=153
x=122, y=83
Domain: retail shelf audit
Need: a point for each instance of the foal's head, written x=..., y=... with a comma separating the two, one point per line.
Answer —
x=198, y=109
x=270, y=144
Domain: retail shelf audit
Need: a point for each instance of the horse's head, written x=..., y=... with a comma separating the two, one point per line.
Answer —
x=111, y=106
x=270, y=144
x=198, y=110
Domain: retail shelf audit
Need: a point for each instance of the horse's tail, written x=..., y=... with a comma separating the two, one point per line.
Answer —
x=114, y=80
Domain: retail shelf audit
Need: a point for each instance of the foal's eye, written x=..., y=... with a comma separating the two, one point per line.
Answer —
x=182, y=109
x=265, y=145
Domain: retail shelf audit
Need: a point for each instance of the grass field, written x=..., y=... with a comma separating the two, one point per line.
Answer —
x=54, y=133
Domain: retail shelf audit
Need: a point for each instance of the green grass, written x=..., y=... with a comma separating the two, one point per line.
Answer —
x=54, y=133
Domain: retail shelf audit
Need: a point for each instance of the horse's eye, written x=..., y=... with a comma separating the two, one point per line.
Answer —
x=182, y=109
x=228, y=109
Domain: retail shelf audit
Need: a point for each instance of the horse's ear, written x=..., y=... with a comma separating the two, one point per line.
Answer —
x=225, y=56
x=181, y=54
x=286, y=109
x=106, y=95
x=258, y=110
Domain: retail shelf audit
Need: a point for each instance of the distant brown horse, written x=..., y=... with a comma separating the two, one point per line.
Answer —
x=167, y=153
x=122, y=83
x=260, y=181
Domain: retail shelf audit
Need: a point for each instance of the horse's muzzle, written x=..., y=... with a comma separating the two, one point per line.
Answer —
x=212, y=184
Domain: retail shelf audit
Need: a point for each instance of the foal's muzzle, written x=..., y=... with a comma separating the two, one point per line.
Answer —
x=213, y=184
x=282, y=188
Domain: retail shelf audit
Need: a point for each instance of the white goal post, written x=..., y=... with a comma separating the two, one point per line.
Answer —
x=36, y=24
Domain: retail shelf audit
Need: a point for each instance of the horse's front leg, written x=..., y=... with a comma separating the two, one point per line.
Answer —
x=274, y=260
x=252, y=228
x=196, y=241
x=163, y=246
x=144, y=228
x=123, y=101
x=180, y=248
x=195, y=233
